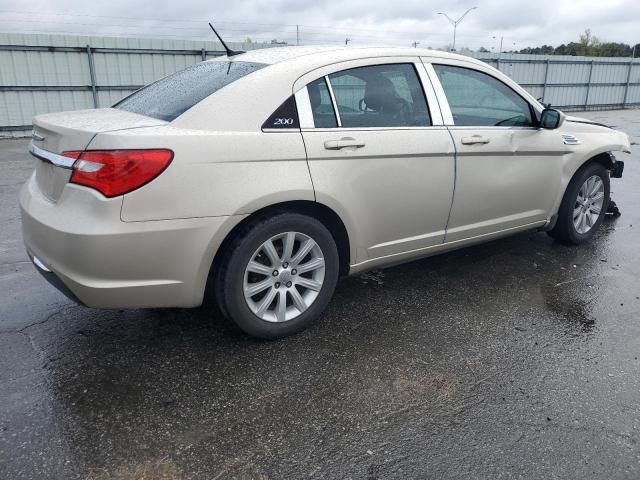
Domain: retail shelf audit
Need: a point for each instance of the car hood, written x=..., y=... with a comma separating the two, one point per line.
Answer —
x=571, y=118
x=616, y=140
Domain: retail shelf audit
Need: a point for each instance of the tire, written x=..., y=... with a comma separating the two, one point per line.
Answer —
x=565, y=229
x=235, y=277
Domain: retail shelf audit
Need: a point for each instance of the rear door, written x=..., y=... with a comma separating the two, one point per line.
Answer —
x=378, y=153
x=508, y=170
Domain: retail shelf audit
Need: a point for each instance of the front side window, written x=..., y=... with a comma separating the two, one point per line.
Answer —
x=478, y=99
x=171, y=96
x=380, y=96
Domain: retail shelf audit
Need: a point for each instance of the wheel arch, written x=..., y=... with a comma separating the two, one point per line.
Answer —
x=561, y=226
x=601, y=155
x=604, y=158
x=327, y=216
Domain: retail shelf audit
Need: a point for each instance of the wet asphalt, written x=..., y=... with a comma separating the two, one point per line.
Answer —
x=514, y=359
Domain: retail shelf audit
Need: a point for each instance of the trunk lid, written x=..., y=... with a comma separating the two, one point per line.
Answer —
x=65, y=131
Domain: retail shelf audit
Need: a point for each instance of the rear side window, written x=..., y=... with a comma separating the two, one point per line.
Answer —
x=171, y=96
x=380, y=96
x=321, y=104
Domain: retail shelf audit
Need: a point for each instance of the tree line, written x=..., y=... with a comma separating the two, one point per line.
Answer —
x=588, y=45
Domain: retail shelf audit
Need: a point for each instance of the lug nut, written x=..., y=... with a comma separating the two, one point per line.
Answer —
x=285, y=265
x=275, y=273
x=277, y=285
x=289, y=284
x=294, y=271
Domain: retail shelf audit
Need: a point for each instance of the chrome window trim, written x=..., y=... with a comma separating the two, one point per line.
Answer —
x=303, y=104
x=53, y=158
x=280, y=130
x=333, y=100
x=371, y=129
x=447, y=116
x=432, y=127
x=432, y=101
x=492, y=127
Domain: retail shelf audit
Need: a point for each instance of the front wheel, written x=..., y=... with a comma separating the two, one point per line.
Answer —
x=278, y=275
x=583, y=206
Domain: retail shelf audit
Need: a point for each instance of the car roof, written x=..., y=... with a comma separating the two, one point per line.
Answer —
x=290, y=69
x=322, y=55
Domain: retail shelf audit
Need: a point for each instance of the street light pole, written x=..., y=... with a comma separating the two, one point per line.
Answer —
x=455, y=24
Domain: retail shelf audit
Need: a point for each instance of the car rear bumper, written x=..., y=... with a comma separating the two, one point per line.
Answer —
x=53, y=279
x=81, y=246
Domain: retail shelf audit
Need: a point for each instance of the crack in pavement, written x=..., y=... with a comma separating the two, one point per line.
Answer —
x=40, y=353
x=41, y=322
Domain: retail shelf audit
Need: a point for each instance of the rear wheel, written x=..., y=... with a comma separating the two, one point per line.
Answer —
x=278, y=275
x=584, y=205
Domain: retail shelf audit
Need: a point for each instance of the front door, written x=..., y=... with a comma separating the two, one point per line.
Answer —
x=508, y=171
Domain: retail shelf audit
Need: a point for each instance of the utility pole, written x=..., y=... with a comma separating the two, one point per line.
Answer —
x=501, y=39
x=415, y=44
x=501, y=45
x=455, y=24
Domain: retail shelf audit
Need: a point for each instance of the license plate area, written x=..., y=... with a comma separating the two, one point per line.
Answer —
x=51, y=179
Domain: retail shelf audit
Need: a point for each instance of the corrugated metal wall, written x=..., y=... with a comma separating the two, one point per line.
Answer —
x=34, y=81
x=35, y=78
x=573, y=83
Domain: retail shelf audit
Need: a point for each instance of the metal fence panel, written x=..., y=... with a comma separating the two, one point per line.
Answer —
x=573, y=83
x=610, y=73
x=633, y=96
x=86, y=71
x=47, y=73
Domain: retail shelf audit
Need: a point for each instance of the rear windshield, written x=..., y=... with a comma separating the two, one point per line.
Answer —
x=171, y=96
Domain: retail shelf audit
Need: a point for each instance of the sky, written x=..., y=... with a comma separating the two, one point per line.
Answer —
x=518, y=23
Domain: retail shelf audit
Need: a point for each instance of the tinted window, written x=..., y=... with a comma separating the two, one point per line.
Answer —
x=171, y=96
x=321, y=105
x=380, y=96
x=478, y=99
x=286, y=116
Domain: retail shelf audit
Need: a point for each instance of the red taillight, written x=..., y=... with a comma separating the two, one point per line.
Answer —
x=116, y=172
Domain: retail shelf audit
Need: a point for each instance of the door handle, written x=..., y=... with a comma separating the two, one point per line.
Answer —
x=345, y=142
x=475, y=139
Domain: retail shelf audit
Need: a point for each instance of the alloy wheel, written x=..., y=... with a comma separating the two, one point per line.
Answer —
x=588, y=204
x=284, y=277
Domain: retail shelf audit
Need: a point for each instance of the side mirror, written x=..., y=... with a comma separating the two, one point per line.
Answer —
x=551, y=118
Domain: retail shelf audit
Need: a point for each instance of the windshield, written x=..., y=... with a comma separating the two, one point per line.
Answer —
x=171, y=96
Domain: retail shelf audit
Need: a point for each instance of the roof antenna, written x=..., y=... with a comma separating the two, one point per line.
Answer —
x=230, y=53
